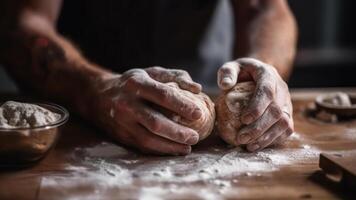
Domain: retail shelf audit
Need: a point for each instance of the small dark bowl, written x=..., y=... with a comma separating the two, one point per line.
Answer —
x=338, y=110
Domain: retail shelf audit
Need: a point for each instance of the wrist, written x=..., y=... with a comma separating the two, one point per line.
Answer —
x=261, y=58
x=99, y=104
x=283, y=68
x=86, y=97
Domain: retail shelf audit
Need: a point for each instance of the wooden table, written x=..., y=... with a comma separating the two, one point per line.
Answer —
x=81, y=166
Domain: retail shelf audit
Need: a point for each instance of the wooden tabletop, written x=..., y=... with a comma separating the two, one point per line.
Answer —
x=87, y=165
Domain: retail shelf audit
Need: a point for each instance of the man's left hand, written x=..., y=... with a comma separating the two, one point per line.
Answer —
x=269, y=115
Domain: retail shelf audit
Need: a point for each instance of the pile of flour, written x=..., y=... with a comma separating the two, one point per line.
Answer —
x=22, y=115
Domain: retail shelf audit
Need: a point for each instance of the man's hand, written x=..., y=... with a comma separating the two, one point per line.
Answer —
x=126, y=107
x=268, y=117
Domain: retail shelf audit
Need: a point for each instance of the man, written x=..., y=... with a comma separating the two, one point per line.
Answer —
x=127, y=36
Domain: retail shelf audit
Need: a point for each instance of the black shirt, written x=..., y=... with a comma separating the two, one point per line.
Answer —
x=194, y=35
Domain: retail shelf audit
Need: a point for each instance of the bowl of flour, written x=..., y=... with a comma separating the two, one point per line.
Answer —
x=28, y=131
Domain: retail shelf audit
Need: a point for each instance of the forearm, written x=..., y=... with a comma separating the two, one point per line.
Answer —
x=267, y=33
x=41, y=60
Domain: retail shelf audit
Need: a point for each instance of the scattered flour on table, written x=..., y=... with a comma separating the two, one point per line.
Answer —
x=295, y=136
x=158, y=193
x=112, y=167
x=22, y=115
x=350, y=134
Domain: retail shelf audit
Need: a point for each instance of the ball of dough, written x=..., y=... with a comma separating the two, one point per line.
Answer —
x=205, y=124
x=228, y=108
x=339, y=99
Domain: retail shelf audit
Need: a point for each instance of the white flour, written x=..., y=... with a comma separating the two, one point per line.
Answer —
x=158, y=193
x=110, y=167
x=237, y=100
x=22, y=115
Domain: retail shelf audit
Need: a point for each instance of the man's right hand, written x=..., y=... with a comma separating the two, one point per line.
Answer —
x=123, y=108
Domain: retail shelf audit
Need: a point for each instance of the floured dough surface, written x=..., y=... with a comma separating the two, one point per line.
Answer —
x=229, y=106
x=339, y=99
x=22, y=115
x=205, y=124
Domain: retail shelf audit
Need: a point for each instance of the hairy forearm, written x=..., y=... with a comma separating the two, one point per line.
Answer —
x=42, y=61
x=268, y=34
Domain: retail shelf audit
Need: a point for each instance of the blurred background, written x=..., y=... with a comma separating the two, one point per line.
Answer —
x=327, y=43
x=326, y=48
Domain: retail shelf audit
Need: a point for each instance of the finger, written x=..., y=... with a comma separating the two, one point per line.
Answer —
x=227, y=75
x=254, y=130
x=165, y=96
x=185, y=81
x=282, y=138
x=160, y=125
x=181, y=77
x=262, y=97
x=188, y=85
x=269, y=136
x=154, y=121
x=147, y=142
x=119, y=133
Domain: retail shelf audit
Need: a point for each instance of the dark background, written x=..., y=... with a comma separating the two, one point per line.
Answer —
x=327, y=43
x=326, y=48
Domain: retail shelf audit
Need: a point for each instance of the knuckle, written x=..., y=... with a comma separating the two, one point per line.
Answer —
x=255, y=112
x=182, y=81
x=156, y=68
x=132, y=81
x=165, y=95
x=289, y=131
x=265, y=138
x=225, y=69
x=188, y=106
x=134, y=71
x=284, y=121
x=275, y=111
x=154, y=123
x=267, y=90
x=246, y=60
x=181, y=136
x=256, y=131
x=182, y=72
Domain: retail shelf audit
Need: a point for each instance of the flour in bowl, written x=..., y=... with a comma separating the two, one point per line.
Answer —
x=23, y=115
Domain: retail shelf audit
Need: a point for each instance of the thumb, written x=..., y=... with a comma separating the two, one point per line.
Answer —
x=227, y=75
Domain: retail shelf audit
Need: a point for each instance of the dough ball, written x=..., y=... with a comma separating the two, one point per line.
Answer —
x=339, y=99
x=229, y=106
x=205, y=124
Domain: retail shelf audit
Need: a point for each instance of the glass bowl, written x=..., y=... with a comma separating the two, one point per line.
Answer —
x=24, y=146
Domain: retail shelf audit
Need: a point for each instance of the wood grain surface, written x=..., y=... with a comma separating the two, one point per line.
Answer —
x=340, y=168
x=63, y=174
